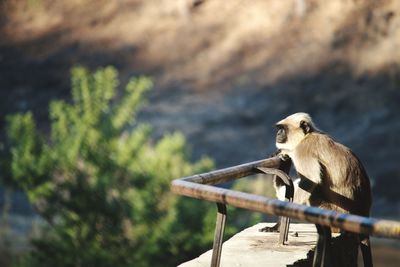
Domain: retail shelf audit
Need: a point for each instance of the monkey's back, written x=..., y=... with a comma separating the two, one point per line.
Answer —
x=344, y=183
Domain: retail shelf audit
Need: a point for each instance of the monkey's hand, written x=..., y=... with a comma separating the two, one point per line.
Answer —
x=279, y=153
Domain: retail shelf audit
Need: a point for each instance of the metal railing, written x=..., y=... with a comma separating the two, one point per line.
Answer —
x=200, y=186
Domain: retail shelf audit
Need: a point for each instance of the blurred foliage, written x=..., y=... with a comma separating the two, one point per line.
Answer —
x=102, y=184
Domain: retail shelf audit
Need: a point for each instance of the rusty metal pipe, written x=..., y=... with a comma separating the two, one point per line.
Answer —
x=348, y=222
x=232, y=173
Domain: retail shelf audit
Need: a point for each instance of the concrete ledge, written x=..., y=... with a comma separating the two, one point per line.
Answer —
x=253, y=248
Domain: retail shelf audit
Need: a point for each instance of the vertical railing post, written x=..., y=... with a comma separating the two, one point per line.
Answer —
x=366, y=250
x=284, y=230
x=218, y=235
x=322, y=252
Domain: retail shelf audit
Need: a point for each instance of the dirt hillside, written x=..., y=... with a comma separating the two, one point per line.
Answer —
x=224, y=71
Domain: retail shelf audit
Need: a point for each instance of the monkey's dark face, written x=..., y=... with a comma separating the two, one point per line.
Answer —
x=288, y=136
x=281, y=134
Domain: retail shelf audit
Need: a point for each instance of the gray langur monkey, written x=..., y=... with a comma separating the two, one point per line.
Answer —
x=330, y=174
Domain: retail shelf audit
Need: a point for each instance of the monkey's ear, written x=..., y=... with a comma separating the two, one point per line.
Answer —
x=305, y=126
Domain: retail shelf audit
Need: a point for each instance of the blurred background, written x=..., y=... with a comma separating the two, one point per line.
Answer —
x=212, y=78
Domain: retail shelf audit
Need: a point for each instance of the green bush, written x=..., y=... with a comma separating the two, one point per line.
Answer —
x=102, y=184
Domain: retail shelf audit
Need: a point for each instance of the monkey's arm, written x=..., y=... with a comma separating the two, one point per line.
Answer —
x=280, y=190
x=301, y=197
x=306, y=191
